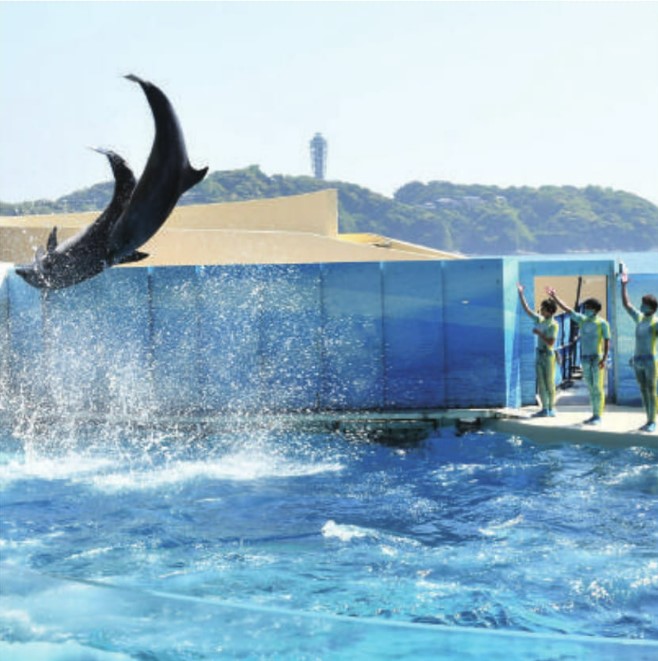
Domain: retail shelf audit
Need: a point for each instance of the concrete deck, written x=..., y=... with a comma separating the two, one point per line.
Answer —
x=619, y=427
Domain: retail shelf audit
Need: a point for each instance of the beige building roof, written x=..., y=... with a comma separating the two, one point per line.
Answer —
x=285, y=230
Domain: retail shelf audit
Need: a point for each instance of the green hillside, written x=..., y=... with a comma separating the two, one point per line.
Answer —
x=473, y=219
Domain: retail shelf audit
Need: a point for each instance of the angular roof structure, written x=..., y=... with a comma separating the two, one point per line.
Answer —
x=297, y=229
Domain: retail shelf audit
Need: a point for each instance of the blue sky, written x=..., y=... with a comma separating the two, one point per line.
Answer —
x=503, y=93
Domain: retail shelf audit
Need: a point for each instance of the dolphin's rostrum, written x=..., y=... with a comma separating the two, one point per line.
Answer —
x=135, y=213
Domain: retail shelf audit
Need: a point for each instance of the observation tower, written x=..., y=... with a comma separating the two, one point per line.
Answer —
x=318, y=155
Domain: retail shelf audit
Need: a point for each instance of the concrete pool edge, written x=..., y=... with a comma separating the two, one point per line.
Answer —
x=619, y=428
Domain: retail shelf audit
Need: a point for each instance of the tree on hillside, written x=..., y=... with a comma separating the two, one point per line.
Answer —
x=474, y=219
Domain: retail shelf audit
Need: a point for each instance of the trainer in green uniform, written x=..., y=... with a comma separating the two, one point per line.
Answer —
x=594, y=347
x=645, y=359
x=546, y=331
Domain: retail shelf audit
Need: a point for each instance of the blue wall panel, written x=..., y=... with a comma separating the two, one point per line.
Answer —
x=352, y=351
x=124, y=323
x=413, y=335
x=475, y=333
x=77, y=342
x=26, y=338
x=291, y=341
x=526, y=341
x=4, y=335
x=291, y=337
x=230, y=304
x=115, y=336
x=514, y=345
x=175, y=333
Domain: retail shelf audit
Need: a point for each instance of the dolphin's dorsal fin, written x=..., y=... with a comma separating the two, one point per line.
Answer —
x=52, y=240
x=192, y=177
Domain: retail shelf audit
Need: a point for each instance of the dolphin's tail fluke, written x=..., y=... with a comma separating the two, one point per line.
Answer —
x=134, y=78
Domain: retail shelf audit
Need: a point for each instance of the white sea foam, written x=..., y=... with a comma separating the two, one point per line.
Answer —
x=498, y=528
x=51, y=468
x=345, y=532
x=241, y=466
x=643, y=478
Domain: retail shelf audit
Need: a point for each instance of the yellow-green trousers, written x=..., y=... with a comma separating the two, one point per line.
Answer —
x=646, y=373
x=594, y=378
x=545, y=370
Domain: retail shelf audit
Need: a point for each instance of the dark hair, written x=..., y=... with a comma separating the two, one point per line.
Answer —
x=592, y=304
x=650, y=300
x=549, y=305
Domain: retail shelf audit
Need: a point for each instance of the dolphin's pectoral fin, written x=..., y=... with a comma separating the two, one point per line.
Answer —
x=135, y=256
x=192, y=177
x=52, y=240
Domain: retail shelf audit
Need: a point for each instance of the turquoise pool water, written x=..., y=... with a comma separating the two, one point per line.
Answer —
x=261, y=545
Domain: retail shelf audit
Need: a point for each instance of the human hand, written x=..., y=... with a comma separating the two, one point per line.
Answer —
x=623, y=276
x=551, y=292
x=520, y=287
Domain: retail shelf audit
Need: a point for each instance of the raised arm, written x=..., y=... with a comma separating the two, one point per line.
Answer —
x=624, y=291
x=553, y=294
x=524, y=303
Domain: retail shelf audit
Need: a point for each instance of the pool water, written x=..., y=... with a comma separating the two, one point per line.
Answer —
x=179, y=545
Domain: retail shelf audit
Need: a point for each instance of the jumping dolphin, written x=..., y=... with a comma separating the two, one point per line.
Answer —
x=85, y=254
x=167, y=175
x=133, y=220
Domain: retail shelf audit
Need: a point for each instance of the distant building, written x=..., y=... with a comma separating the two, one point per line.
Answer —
x=472, y=200
x=318, y=156
x=448, y=202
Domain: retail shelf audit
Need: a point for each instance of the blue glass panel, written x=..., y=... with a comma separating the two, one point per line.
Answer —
x=413, y=334
x=353, y=370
